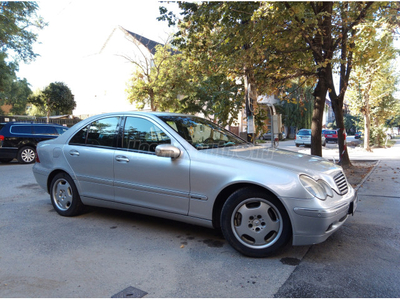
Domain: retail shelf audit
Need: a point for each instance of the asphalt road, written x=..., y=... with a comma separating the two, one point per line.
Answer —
x=106, y=253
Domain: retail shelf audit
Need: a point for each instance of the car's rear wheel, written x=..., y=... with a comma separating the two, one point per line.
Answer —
x=64, y=196
x=255, y=223
x=26, y=155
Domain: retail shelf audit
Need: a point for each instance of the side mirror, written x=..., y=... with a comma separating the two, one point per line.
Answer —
x=168, y=151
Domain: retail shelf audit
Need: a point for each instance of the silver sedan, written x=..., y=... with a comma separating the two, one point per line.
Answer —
x=189, y=169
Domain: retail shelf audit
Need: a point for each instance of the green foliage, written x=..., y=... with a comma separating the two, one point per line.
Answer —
x=56, y=98
x=272, y=43
x=18, y=96
x=18, y=19
x=158, y=83
x=297, y=106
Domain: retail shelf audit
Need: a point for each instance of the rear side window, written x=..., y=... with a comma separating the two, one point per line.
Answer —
x=46, y=130
x=21, y=129
x=61, y=130
x=99, y=133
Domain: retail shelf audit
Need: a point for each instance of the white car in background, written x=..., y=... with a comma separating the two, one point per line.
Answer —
x=303, y=137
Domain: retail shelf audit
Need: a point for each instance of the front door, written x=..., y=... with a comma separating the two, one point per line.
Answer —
x=145, y=180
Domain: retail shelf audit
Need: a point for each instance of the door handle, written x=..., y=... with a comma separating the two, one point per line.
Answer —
x=74, y=153
x=121, y=158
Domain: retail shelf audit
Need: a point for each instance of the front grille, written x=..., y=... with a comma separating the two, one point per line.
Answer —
x=341, y=183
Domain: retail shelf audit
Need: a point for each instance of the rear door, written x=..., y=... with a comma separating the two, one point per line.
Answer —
x=90, y=153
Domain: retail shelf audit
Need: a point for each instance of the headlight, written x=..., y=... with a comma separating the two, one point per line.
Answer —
x=319, y=189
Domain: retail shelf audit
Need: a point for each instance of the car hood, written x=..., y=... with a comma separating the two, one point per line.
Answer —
x=279, y=158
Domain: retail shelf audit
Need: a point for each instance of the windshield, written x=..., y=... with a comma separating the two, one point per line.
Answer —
x=201, y=133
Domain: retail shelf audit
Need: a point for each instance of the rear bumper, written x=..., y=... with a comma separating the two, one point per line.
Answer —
x=8, y=152
x=335, y=140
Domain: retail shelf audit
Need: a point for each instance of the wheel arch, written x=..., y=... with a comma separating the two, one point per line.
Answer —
x=52, y=175
x=229, y=190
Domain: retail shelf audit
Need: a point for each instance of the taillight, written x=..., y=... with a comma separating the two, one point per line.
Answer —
x=37, y=157
x=1, y=138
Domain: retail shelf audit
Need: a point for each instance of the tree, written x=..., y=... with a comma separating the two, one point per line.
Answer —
x=373, y=85
x=18, y=21
x=271, y=43
x=55, y=98
x=18, y=96
x=156, y=79
x=173, y=81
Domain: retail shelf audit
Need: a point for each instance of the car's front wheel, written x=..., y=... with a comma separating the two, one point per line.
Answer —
x=26, y=155
x=64, y=196
x=255, y=223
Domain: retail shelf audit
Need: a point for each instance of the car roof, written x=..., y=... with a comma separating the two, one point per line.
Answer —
x=32, y=123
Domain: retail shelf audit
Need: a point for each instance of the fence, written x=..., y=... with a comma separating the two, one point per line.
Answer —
x=61, y=121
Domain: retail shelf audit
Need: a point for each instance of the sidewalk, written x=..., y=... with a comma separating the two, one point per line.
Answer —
x=384, y=180
x=358, y=153
x=362, y=259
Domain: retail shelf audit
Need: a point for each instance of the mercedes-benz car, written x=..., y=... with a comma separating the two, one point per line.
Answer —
x=189, y=169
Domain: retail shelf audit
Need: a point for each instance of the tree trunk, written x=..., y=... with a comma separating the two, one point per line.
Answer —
x=367, y=124
x=316, y=122
x=153, y=105
x=344, y=159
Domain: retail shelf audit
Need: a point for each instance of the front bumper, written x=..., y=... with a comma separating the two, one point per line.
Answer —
x=313, y=225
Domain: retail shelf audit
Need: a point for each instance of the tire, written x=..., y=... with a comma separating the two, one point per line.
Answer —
x=64, y=196
x=26, y=155
x=254, y=223
x=5, y=160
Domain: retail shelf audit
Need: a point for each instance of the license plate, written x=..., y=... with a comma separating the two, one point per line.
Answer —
x=330, y=135
x=353, y=206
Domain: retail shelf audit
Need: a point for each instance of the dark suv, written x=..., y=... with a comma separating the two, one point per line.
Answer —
x=19, y=140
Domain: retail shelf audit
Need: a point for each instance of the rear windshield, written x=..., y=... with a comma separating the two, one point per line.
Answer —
x=330, y=132
x=304, y=132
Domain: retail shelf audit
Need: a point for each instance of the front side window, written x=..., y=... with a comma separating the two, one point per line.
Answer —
x=99, y=133
x=143, y=135
x=201, y=133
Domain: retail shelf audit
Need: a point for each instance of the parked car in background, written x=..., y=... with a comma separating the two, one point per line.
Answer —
x=267, y=136
x=358, y=135
x=189, y=169
x=19, y=140
x=303, y=137
x=331, y=135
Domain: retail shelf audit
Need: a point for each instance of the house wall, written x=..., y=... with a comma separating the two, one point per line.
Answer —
x=6, y=108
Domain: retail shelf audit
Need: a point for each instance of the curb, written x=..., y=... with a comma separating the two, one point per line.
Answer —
x=367, y=176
